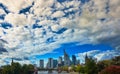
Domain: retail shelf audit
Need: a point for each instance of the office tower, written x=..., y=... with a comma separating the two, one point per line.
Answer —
x=55, y=62
x=67, y=61
x=60, y=60
x=41, y=63
x=50, y=63
x=74, y=61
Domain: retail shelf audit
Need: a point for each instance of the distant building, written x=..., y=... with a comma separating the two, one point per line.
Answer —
x=41, y=63
x=67, y=61
x=50, y=63
x=74, y=61
x=55, y=62
x=60, y=60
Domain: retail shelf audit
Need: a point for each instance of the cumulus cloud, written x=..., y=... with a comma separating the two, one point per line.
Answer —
x=93, y=22
x=15, y=6
x=58, y=14
x=99, y=55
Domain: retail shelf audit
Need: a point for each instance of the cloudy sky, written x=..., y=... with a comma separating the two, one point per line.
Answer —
x=38, y=29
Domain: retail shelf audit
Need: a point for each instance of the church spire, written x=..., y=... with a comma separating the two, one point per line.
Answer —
x=12, y=61
x=86, y=58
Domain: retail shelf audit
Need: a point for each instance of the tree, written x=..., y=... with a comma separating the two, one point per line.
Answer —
x=116, y=60
x=103, y=64
x=6, y=69
x=90, y=66
x=80, y=69
x=27, y=69
x=16, y=68
x=111, y=70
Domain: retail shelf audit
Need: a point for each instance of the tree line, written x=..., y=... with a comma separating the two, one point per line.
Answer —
x=91, y=66
x=16, y=68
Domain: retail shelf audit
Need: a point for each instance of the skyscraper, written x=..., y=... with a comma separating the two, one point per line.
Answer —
x=67, y=61
x=55, y=62
x=41, y=63
x=50, y=63
x=74, y=61
x=60, y=60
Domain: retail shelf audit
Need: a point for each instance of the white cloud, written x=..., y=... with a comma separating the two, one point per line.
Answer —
x=56, y=28
x=15, y=6
x=58, y=14
x=16, y=19
x=99, y=55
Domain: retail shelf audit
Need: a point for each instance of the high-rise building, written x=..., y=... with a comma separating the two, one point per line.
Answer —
x=55, y=62
x=74, y=61
x=67, y=61
x=60, y=60
x=50, y=63
x=41, y=63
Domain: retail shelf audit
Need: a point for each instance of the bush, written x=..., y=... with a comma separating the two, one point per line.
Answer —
x=111, y=70
x=80, y=69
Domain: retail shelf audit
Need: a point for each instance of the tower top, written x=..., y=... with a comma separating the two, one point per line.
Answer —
x=64, y=51
x=86, y=56
x=12, y=61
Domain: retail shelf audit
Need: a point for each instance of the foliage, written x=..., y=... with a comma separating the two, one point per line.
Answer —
x=73, y=68
x=111, y=70
x=6, y=69
x=79, y=69
x=103, y=64
x=16, y=68
x=116, y=60
x=65, y=68
x=90, y=66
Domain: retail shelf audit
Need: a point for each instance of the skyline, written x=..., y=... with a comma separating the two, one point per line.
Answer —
x=35, y=29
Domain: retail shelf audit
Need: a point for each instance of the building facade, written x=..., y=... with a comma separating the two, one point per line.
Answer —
x=55, y=62
x=50, y=63
x=67, y=61
x=74, y=61
x=41, y=63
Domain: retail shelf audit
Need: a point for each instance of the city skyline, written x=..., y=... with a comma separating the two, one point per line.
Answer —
x=60, y=61
x=40, y=29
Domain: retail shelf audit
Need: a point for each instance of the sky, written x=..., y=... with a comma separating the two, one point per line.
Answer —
x=39, y=29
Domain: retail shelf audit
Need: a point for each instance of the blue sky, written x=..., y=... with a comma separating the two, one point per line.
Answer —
x=37, y=29
x=74, y=49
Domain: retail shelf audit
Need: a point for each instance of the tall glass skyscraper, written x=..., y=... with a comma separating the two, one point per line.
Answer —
x=74, y=61
x=67, y=61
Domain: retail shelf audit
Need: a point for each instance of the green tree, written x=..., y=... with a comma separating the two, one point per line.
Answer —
x=6, y=69
x=27, y=69
x=80, y=69
x=16, y=68
x=90, y=66
x=103, y=64
x=73, y=67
